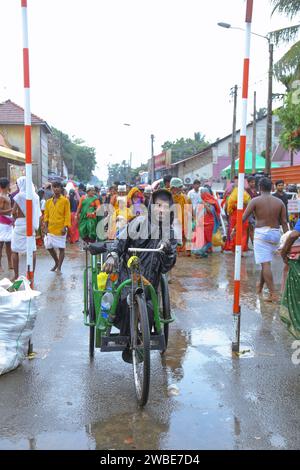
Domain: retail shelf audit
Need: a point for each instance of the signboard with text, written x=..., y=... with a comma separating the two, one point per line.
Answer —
x=163, y=160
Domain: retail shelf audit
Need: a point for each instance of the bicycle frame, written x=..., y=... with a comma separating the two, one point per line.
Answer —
x=103, y=325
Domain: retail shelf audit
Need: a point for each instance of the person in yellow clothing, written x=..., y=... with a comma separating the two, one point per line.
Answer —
x=232, y=211
x=136, y=203
x=183, y=216
x=57, y=218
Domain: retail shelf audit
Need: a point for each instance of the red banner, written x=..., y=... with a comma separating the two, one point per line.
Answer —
x=163, y=160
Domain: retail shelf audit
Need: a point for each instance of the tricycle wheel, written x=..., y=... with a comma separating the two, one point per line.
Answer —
x=165, y=307
x=92, y=319
x=141, y=349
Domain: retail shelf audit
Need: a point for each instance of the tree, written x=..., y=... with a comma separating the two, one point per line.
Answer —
x=78, y=157
x=261, y=113
x=287, y=69
x=135, y=177
x=289, y=116
x=184, y=148
x=118, y=172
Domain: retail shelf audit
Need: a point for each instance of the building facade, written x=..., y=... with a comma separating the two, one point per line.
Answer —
x=12, y=129
x=209, y=163
x=12, y=163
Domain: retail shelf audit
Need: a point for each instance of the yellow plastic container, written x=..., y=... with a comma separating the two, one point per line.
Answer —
x=102, y=280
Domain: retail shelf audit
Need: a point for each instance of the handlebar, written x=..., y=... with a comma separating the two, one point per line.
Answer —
x=146, y=250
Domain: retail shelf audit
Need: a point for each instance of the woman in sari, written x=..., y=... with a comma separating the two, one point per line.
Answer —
x=135, y=203
x=207, y=224
x=87, y=215
x=232, y=213
x=290, y=304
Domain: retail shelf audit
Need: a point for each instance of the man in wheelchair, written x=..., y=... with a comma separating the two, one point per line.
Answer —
x=147, y=232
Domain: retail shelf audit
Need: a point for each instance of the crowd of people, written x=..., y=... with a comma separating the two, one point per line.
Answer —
x=201, y=221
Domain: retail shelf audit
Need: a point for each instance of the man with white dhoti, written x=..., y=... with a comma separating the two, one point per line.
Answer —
x=19, y=239
x=6, y=222
x=270, y=214
x=57, y=218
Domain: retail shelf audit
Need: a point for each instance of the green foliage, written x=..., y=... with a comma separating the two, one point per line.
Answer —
x=289, y=8
x=79, y=158
x=287, y=69
x=261, y=113
x=135, y=172
x=289, y=116
x=118, y=172
x=184, y=148
x=122, y=172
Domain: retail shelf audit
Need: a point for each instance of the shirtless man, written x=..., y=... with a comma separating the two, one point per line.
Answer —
x=270, y=213
x=6, y=222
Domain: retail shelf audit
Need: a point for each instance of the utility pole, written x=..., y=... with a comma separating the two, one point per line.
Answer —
x=270, y=111
x=254, y=137
x=130, y=166
x=61, y=156
x=234, y=92
x=152, y=159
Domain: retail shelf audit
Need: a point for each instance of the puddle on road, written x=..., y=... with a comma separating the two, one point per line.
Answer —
x=60, y=440
x=278, y=441
x=209, y=337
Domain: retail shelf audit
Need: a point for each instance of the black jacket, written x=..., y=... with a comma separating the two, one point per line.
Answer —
x=152, y=264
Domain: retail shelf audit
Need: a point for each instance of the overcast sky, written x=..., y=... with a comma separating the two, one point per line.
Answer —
x=163, y=66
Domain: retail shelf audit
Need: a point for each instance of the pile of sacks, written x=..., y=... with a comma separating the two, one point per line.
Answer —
x=17, y=319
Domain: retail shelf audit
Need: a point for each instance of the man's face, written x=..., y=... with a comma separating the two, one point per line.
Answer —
x=252, y=184
x=91, y=193
x=280, y=187
x=175, y=190
x=57, y=190
x=161, y=210
x=136, y=199
x=196, y=187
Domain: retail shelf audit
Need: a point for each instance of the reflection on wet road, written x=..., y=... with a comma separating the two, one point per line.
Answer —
x=201, y=396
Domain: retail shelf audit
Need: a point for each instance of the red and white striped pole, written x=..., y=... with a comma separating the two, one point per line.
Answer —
x=241, y=186
x=28, y=159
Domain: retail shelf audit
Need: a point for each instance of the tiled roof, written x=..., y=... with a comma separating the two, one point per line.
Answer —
x=11, y=113
x=3, y=142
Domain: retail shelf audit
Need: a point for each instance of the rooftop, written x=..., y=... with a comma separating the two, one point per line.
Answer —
x=11, y=113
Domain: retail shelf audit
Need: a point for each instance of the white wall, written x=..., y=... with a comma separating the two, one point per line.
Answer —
x=204, y=172
x=222, y=148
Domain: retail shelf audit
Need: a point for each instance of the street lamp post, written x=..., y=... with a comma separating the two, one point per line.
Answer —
x=270, y=94
x=152, y=159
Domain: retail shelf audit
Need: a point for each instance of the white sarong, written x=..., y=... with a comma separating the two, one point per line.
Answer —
x=266, y=242
x=5, y=233
x=19, y=239
x=55, y=241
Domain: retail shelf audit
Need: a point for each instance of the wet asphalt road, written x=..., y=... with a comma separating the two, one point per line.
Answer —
x=61, y=400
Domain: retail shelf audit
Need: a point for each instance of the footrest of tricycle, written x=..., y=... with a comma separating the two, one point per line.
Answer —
x=114, y=342
x=157, y=342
